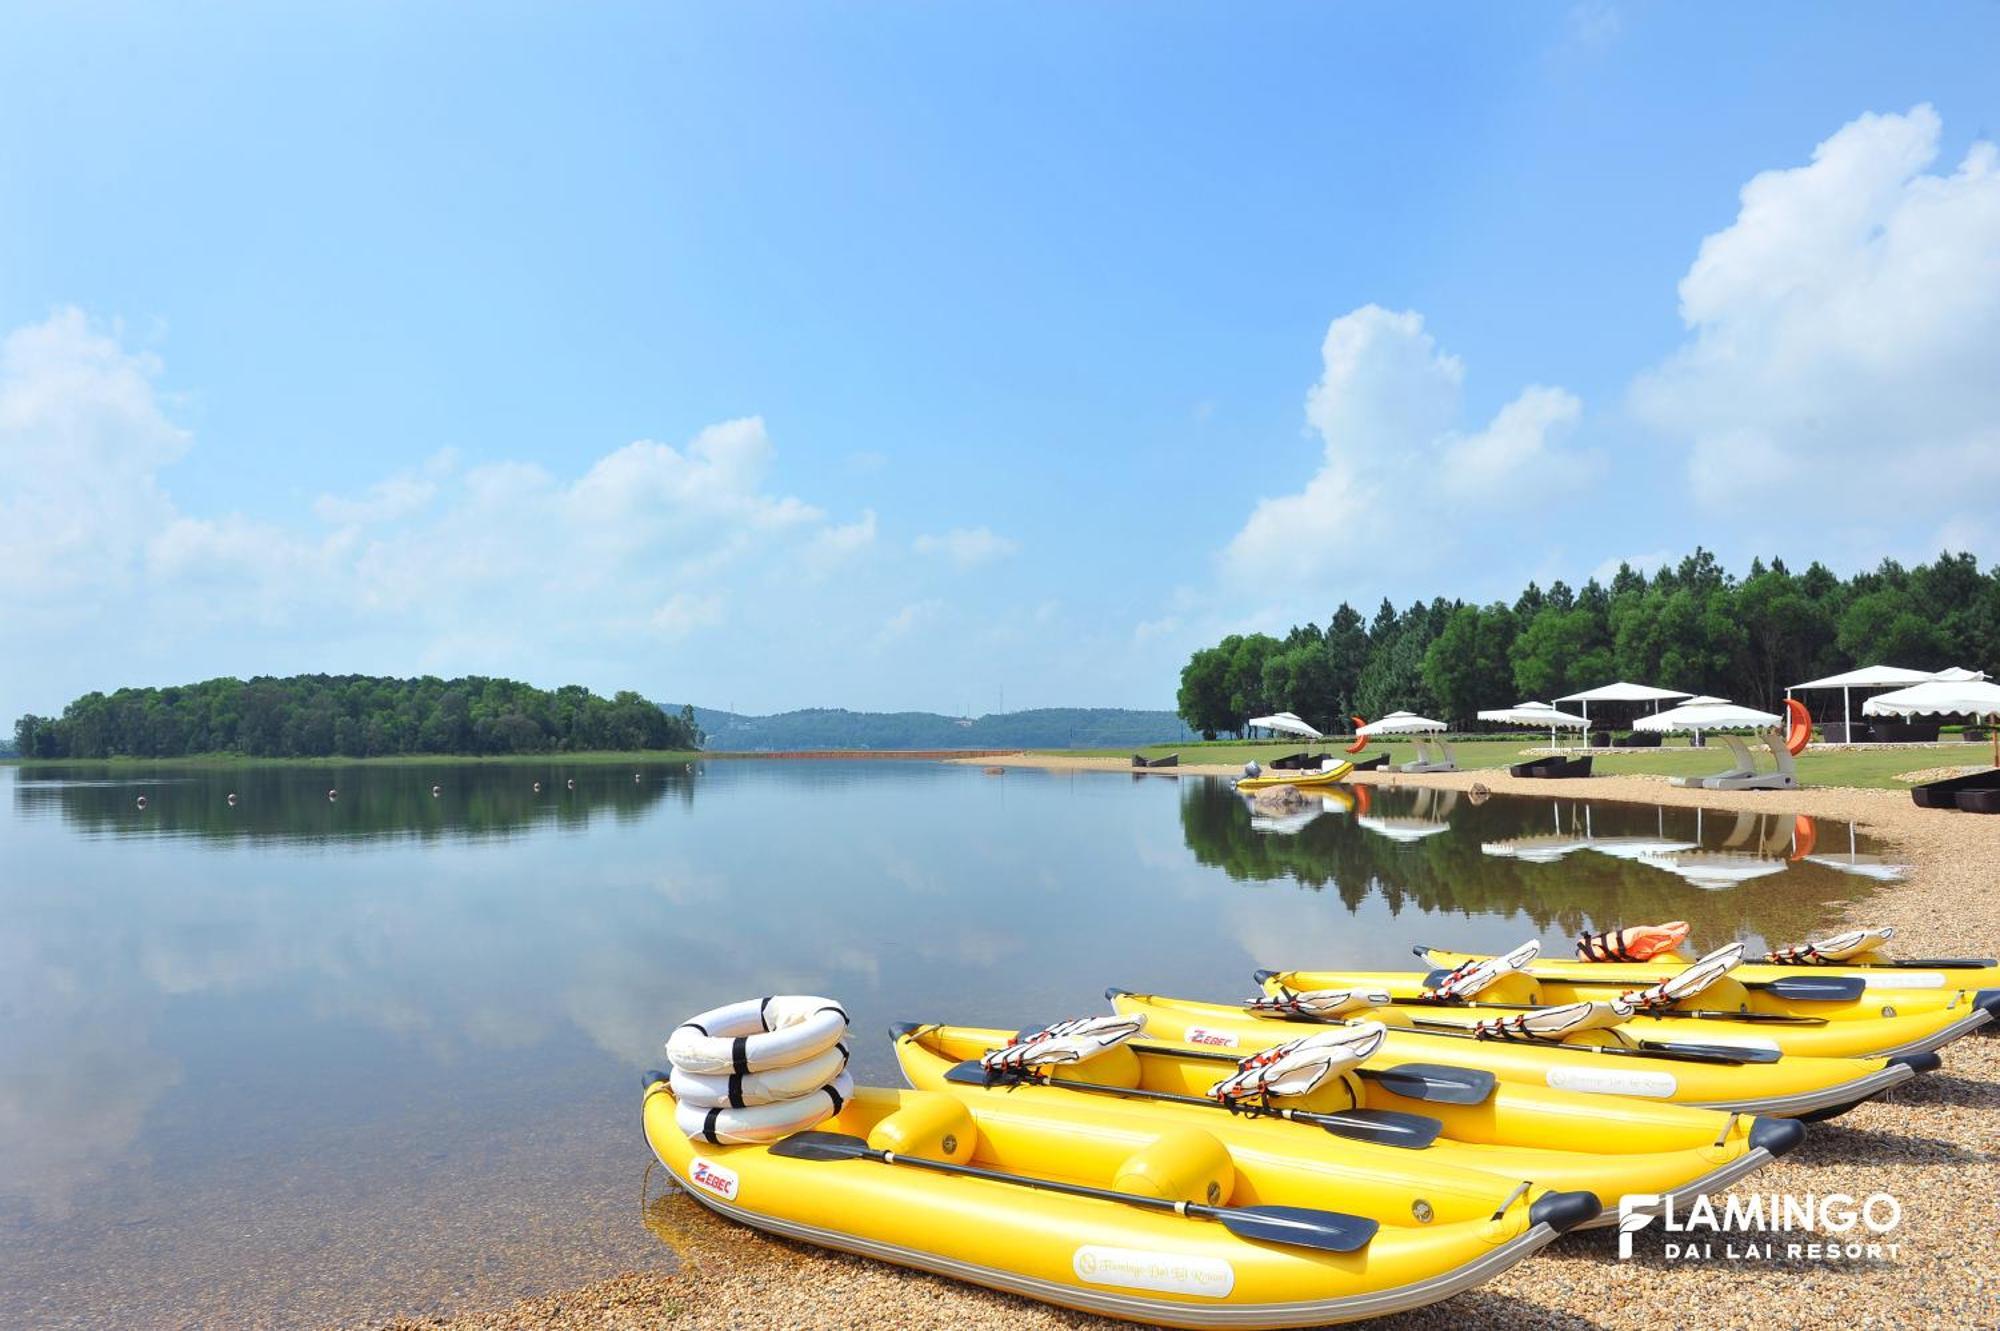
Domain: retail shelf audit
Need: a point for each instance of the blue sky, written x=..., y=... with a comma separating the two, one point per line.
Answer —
x=896, y=356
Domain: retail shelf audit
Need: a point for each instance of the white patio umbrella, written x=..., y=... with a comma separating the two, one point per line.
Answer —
x=1710, y=716
x=1942, y=697
x=1958, y=674
x=1621, y=691
x=1400, y=723
x=1285, y=723
x=1536, y=714
x=1867, y=677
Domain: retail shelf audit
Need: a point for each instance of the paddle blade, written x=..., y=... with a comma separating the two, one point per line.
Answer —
x=1297, y=1226
x=1729, y=1053
x=970, y=1073
x=1383, y=1127
x=821, y=1146
x=1435, y=1082
x=1814, y=988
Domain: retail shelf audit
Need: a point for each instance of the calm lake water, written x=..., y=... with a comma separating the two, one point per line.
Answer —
x=296, y=1061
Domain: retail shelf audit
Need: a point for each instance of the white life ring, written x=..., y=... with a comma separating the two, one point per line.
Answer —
x=723, y=1126
x=741, y=1089
x=757, y=1034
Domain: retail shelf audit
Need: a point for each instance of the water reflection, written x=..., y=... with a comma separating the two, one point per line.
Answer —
x=347, y=801
x=1565, y=864
x=394, y=1036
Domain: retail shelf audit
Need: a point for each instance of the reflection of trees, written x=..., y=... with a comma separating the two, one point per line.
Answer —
x=1450, y=873
x=375, y=801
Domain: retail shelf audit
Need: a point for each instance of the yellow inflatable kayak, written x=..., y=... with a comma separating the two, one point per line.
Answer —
x=1868, y=983
x=1104, y=1210
x=1825, y=1030
x=1802, y=1010
x=1791, y=1087
x=1559, y=1139
x=1331, y=776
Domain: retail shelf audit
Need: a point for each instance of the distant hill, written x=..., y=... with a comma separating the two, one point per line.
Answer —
x=837, y=728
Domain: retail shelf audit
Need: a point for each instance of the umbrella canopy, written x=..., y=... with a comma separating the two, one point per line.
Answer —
x=1958, y=674
x=1400, y=723
x=1533, y=714
x=1710, y=716
x=1285, y=723
x=1402, y=827
x=1714, y=870
x=1623, y=692
x=1939, y=697
x=1871, y=677
x=1704, y=700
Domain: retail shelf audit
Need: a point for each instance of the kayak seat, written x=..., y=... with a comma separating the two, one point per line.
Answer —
x=1184, y=1165
x=929, y=1125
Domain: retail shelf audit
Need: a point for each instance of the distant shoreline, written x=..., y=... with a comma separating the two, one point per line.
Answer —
x=581, y=758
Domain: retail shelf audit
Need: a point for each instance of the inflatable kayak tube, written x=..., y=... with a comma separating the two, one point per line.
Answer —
x=757, y=1034
x=1879, y=1027
x=1877, y=974
x=740, y=1089
x=1897, y=1020
x=1790, y=1087
x=1560, y=1139
x=1101, y=1256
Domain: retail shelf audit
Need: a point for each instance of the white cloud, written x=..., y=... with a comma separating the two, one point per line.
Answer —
x=966, y=547
x=909, y=618
x=1648, y=563
x=503, y=566
x=1385, y=410
x=1842, y=335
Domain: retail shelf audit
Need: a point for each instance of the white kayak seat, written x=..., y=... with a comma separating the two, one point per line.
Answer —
x=757, y=1034
x=1555, y=1023
x=1074, y=1041
x=1473, y=976
x=1299, y=1066
x=740, y=1090
x=720, y=1125
x=1839, y=947
x=1698, y=976
x=1319, y=1002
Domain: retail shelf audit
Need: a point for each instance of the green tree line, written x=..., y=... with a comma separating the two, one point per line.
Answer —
x=355, y=716
x=1692, y=626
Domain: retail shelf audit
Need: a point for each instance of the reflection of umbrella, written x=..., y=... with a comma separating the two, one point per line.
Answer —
x=1715, y=869
x=1285, y=723
x=1402, y=827
x=1544, y=849
x=1285, y=824
x=1862, y=866
x=1644, y=849
x=1941, y=697
x=1534, y=714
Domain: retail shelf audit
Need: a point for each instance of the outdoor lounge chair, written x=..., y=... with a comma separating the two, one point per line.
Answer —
x=1380, y=760
x=1944, y=794
x=1431, y=759
x=1291, y=762
x=1553, y=768
x=1743, y=773
x=1980, y=799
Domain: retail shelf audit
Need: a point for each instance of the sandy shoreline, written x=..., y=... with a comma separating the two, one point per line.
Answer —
x=1934, y=1145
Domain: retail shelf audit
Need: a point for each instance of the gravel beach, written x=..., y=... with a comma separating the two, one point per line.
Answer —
x=1934, y=1145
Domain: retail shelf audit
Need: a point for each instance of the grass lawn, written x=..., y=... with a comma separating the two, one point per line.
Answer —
x=1868, y=769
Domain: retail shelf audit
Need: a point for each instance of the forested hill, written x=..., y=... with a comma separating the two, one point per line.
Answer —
x=1692, y=625
x=358, y=716
x=1040, y=728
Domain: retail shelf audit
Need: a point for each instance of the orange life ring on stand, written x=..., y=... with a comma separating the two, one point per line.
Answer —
x=1360, y=741
x=1800, y=734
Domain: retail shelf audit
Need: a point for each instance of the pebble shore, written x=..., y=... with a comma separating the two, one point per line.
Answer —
x=1934, y=1145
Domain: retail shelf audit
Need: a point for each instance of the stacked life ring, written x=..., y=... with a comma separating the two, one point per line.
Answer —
x=759, y=1070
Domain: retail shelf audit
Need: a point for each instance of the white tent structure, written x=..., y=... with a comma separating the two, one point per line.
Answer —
x=1941, y=697
x=1710, y=716
x=1621, y=691
x=1536, y=714
x=1867, y=677
x=1409, y=723
x=1284, y=723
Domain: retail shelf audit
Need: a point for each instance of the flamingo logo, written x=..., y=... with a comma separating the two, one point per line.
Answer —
x=1635, y=1211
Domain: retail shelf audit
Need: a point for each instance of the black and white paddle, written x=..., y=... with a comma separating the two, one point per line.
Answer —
x=1382, y=1127
x=1295, y=1226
